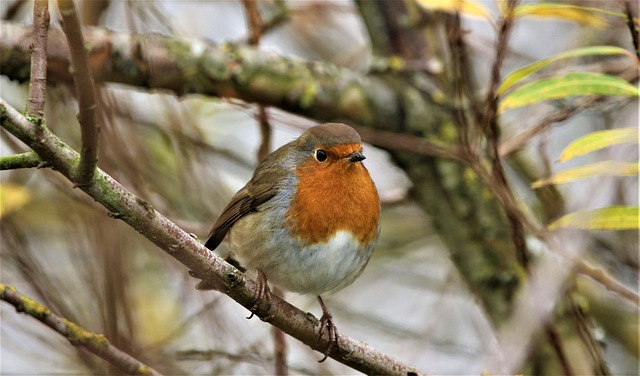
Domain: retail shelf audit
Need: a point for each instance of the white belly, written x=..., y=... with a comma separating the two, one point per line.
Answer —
x=316, y=269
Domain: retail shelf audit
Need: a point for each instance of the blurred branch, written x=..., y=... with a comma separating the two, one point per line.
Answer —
x=607, y=281
x=280, y=348
x=22, y=160
x=314, y=89
x=254, y=21
x=38, y=83
x=518, y=141
x=75, y=334
x=256, y=27
x=265, y=133
x=139, y=214
x=13, y=9
x=403, y=142
x=85, y=93
x=466, y=110
x=492, y=134
x=633, y=29
x=93, y=10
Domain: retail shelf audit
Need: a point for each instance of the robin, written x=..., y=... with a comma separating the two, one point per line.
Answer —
x=308, y=219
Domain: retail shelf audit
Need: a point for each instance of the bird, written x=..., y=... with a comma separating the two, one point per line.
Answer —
x=308, y=219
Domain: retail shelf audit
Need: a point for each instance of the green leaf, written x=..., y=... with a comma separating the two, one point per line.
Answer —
x=570, y=85
x=598, y=140
x=573, y=13
x=610, y=218
x=612, y=168
x=519, y=74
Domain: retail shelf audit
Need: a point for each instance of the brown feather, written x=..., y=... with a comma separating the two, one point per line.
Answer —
x=262, y=187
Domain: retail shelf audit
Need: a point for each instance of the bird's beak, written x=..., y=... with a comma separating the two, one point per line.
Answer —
x=356, y=157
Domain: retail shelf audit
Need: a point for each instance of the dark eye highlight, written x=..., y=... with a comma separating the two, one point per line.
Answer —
x=321, y=155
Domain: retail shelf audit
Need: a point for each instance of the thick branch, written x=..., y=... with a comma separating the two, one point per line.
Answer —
x=84, y=92
x=76, y=335
x=318, y=90
x=165, y=234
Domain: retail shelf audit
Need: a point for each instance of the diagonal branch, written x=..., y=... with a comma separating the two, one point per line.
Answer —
x=84, y=92
x=76, y=335
x=139, y=214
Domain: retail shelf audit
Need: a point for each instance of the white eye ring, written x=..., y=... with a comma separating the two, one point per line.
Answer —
x=321, y=155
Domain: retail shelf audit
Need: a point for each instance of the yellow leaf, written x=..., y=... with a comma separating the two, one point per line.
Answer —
x=574, y=13
x=12, y=198
x=610, y=218
x=468, y=7
x=570, y=85
x=612, y=168
x=599, y=140
x=526, y=71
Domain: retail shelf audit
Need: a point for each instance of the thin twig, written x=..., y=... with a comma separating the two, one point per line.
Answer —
x=265, y=133
x=38, y=83
x=607, y=281
x=280, y=346
x=492, y=133
x=85, y=93
x=254, y=21
x=633, y=29
x=281, y=15
x=398, y=141
x=466, y=109
x=256, y=27
x=75, y=334
x=13, y=10
x=556, y=342
x=517, y=142
x=22, y=160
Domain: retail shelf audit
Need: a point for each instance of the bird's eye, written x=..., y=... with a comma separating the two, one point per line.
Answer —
x=321, y=155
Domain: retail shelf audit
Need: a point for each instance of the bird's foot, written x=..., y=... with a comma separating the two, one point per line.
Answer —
x=261, y=291
x=327, y=325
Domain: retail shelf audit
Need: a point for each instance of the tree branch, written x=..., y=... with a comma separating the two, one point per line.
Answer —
x=492, y=134
x=318, y=90
x=76, y=335
x=38, y=83
x=139, y=214
x=84, y=93
x=633, y=28
x=22, y=160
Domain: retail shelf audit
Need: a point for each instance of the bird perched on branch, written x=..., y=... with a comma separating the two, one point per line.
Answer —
x=308, y=219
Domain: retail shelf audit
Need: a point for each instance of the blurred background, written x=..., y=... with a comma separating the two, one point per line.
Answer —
x=188, y=155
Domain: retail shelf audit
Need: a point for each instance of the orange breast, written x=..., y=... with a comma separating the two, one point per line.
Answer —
x=332, y=196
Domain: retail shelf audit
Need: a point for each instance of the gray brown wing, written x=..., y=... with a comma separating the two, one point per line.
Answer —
x=244, y=202
x=262, y=187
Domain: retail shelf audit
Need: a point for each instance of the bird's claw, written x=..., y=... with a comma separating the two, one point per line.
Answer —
x=326, y=324
x=261, y=291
